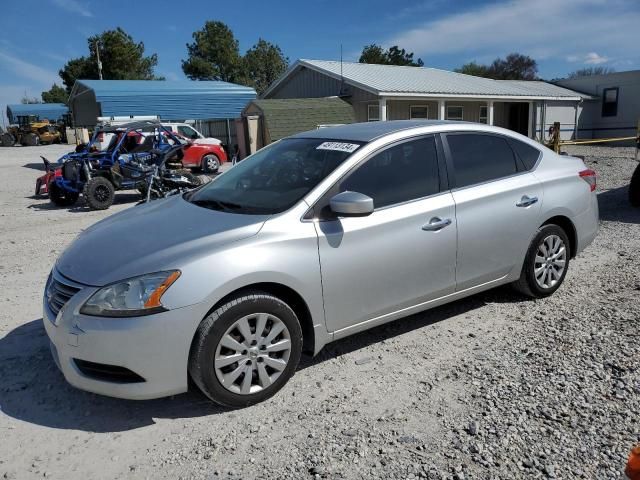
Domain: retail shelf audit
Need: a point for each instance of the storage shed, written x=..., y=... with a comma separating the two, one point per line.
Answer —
x=390, y=92
x=50, y=111
x=170, y=100
x=279, y=118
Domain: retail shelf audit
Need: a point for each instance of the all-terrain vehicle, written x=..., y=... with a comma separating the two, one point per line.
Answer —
x=127, y=163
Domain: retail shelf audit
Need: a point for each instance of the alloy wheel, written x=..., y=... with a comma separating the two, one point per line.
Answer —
x=550, y=261
x=252, y=353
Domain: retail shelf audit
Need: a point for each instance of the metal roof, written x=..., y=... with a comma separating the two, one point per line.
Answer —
x=398, y=81
x=368, y=131
x=284, y=117
x=171, y=100
x=50, y=111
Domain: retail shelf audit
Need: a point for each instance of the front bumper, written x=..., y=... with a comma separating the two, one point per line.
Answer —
x=155, y=347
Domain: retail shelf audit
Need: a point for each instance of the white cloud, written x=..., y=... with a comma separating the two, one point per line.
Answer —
x=542, y=29
x=29, y=71
x=74, y=6
x=594, y=59
x=591, y=58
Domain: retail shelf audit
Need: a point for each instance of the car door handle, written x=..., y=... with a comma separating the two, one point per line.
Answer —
x=526, y=200
x=436, y=224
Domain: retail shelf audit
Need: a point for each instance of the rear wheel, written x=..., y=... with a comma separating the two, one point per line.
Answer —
x=634, y=188
x=99, y=193
x=61, y=197
x=546, y=263
x=246, y=350
x=210, y=163
x=7, y=140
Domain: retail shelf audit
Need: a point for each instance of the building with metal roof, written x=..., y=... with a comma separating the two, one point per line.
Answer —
x=279, y=118
x=169, y=100
x=390, y=92
x=49, y=111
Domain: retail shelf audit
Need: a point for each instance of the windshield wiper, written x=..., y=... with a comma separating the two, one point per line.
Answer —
x=217, y=205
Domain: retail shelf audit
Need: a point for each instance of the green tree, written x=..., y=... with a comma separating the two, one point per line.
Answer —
x=263, y=64
x=586, y=72
x=56, y=94
x=122, y=59
x=473, y=68
x=392, y=56
x=514, y=66
x=214, y=54
x=373, y=54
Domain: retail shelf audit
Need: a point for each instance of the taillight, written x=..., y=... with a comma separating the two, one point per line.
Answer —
x=589, y=176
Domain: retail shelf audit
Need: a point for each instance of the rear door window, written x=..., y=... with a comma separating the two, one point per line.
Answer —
x=528, y=154
x=479, y=158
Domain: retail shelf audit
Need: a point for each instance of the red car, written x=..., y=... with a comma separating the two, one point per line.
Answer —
x=205, y=153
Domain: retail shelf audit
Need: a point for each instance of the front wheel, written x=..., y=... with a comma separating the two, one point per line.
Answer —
x=210, y=163
x=546, y=263
x=61, y=197
x=99, y=193
x=7, y=140
x=634, y=188
x=246, y=350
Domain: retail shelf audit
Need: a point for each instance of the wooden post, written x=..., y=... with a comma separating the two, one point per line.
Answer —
x=556, y=137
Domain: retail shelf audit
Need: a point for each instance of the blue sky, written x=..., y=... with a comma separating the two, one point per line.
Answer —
x=38, y=36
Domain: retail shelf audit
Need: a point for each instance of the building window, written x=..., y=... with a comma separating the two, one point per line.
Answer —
x=610, y=102
x=454, y=112
x=373, y=113
x=483, y=114
x=419, y=112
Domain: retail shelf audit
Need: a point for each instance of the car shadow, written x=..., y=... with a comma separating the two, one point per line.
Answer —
x=614, y=206
x=33, y=390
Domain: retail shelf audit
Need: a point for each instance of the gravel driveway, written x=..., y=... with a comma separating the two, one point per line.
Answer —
x=494, y=386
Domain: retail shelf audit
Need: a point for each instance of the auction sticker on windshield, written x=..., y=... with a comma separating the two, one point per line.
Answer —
x=338, y=146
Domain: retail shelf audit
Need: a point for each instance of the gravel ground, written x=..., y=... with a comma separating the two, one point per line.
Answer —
x=493, y=386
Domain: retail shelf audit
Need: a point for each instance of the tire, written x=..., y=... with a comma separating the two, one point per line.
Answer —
x=634, y=188
x=210, y=163
x=30, y=140
x=38, y=187
x=99, y=193
x=8, y=140
x=252, y=307
x=60, y=197
x=550, y=277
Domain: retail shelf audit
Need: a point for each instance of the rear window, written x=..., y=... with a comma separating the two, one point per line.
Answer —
x=479, y=158
x=528, y=154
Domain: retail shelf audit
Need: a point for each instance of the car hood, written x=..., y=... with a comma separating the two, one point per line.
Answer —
x=161, y=235
x=207, y=141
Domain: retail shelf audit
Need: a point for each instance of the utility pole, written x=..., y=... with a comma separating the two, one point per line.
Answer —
x=98, y=57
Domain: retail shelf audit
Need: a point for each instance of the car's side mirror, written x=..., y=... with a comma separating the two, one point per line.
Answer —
x=351, y=204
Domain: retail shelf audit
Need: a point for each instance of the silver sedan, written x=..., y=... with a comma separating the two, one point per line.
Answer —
x=313, y=238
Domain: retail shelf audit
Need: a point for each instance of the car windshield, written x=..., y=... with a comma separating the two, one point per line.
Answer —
x=275, y=178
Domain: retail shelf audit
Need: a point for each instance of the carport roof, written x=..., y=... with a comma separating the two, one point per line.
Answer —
x=50, y=111
x=171, y=100
x=402, y=81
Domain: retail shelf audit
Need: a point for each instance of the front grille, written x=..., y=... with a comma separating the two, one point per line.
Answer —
x=107, y=373
x=58, y=294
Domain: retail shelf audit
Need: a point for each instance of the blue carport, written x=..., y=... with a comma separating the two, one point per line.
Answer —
x=49, y=111
x=170, y=100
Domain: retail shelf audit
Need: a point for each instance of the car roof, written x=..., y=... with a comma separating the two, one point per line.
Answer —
x=368, y=131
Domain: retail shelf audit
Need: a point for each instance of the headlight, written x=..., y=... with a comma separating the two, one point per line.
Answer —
x=132, y=297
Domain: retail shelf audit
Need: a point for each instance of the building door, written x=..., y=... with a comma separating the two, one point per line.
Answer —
x=518, y=117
